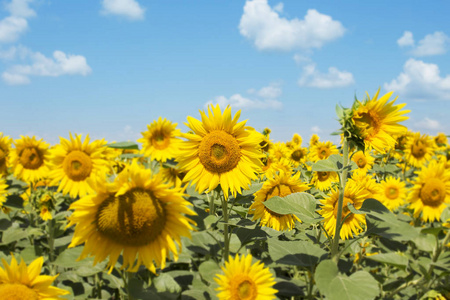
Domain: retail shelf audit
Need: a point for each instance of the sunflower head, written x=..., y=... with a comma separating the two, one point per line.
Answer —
x=363, y=160
x=296, y=140
x=393, y=193
x=313, y=140
x=324, y=180
x=5, y=147
x=419, y=149
x=322, y=150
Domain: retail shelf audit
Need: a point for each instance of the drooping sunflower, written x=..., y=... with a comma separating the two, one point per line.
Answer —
x=377, y=121
x=281, y=185
x=5, y=146
x=364, y=161
x=74, y=163
x=353, y=194
x=3, y=191
x=160, y=141
x=324, y=180
x=29, y=159
x=19, y=281
x=322, y=150
x=393, y=193
x=220, y=151
x=419, y=149
x=137, y=215
x=243, y=280
x=431, y=192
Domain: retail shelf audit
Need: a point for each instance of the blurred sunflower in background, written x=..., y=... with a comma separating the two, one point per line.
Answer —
x=364, y=161
x=441, y=141
x=5, y=147
x=368, y=184
x=137, y=215
x=244, y=280
x=74, y=163
x=296, y=140
x=19, y=281
x=282, y=184
x=430, y=194
x=324, y=180
x=279, y=151
x=419, y=149
x=298, y=155
x=313, y=140
x=220, y=151
x=160, y=141
x=322, y=150
x=376, y=121
x=393, y=193
x=3, y=191
x=29, y=159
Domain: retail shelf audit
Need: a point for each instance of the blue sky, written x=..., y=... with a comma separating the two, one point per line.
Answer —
x=110, y=67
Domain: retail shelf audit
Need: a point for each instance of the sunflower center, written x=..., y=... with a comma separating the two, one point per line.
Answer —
x=17, y=291
x=219, y=152
x=418, y=150
x=433, y=192
x=160, y=141
x=323, y=176
x=31, y=158
x=243, y=288
x=392, y=193
x=361, y=163
x=2, y=157
x=324, y=153
x=297, y=155
x=77, y=165
x=135, y=218
x=372, y=123
x=345, y=210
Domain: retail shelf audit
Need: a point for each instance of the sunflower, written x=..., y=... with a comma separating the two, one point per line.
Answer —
x=298, y=156
x=441, y=141
x=271, y=167
x=400, y=145
x=281, y=185
x=376, y=121
x=172, y=175
x=243, y=280
x=296, y=140
x=220, y=151
x=160, y=141
x=29, y=159
x=3, y=191
x=353, y=194
x=5, y=146
x=75, y=163
x=419, y=149
x=431, y=191
x=19, y=281
x=324, y=180
x=364, y=161
x=393, y=193
x=279, y=151
x=322, y=150
x=313, y=140
x=138, y=214
x=368, y=184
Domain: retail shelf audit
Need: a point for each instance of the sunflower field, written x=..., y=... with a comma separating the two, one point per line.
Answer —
x=224, y=212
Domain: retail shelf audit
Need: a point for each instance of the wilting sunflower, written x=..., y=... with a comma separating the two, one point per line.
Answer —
x=322, y=150
x=75, y=163
x=298, y=156
x=364, y=161
x=376, y=121
x=29, y=159
x=5, y=146
x=419, y=149
x=19, y=281
x=353, y=194
x=3, y=191
x=393, y=193
x=281, y=185
x=324, y=180
x=138, y=214
x=160, y=141
x=431, y=191
x=243, y=280
x=220, y=151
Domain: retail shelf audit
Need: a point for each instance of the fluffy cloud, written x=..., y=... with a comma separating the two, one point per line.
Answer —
x=126, y=8
x=60, y=64
x=20, y=8
x=431, y=44
x=315, y=129
x=311, y=77
x=428, y=124
x=420, y=81
x=11, y=27
x=264, y=26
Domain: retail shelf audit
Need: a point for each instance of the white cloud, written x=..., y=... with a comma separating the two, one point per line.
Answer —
x=315, y=129
x=420, y=81
x=20, y=8
x=279, y=7
x=301, y=59
x=60, y=64
x=127, y=8
x=429, y=124
x=271, y=91
x=263, y=25
x=432, y=44
x=406, y=39
x=11, y=28
x=311, y=77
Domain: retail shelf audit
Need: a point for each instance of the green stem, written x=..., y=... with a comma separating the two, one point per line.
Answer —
x=51, y=245
x=343, y=180
x=211, y=204
x=130, y=275
x=226, y=239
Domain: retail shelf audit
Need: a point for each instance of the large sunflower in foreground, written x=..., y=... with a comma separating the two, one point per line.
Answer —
x=5, y=146
x=220, y=151
x=419, y=149
x=75, y=163
x=19, y=281
x=137, y=215
x=322, y=150
x=160, y=141
x=243, y=280
x=281, y=185
x=353, y=194
x=29, y=159
x=376, y=121
x=431, y=192
x=393, y=193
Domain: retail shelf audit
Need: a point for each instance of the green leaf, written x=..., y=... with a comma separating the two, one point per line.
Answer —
x=332, y=164
x=165, y=283
x=208, y=270
x=124, y=145
x=296, y=253
x=303, y=205
x=425, y=242
x=326, y=271
x=14, y=201
x=359, y=286
x=445, y=215
x=69, y=258
x=394, y=259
